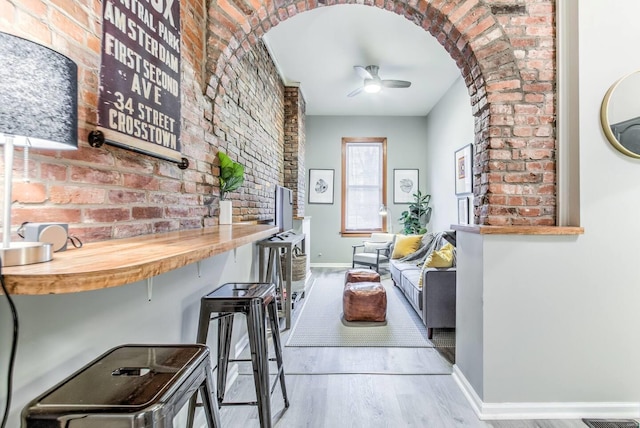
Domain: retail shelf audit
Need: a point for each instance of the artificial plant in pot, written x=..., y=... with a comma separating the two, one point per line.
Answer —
x=415, y=219
x=231, y=177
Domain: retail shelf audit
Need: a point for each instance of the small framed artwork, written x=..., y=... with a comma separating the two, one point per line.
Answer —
x=463, y=166
x=463, y=210
x=405, y=184
x=321, y=186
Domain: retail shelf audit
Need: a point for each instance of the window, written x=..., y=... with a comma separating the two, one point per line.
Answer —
x=364, y=188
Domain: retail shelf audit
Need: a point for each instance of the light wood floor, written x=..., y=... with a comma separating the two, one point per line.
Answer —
x=365, y=387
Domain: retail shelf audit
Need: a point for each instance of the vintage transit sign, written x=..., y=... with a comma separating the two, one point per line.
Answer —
x=139, y=96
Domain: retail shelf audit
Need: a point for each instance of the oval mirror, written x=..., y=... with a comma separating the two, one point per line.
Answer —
x=620, y=114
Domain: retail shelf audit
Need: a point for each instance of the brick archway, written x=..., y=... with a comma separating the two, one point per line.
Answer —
x=512, y=96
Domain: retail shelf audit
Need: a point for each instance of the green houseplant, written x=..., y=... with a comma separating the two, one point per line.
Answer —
x=415, y=219
x=231, y=175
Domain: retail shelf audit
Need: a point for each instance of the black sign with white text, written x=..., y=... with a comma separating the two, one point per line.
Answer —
x=139, y=97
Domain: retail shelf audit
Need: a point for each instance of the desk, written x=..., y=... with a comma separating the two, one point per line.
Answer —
x=285, y=241
x=118, y=262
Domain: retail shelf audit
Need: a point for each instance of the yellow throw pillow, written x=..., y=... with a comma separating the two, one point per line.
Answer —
x=405, y=245
x=442, y=258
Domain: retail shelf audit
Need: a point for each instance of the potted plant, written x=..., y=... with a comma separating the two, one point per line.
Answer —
x=415, y=219
x=231, y=177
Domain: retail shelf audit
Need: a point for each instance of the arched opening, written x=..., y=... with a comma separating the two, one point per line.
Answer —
x=512, y=97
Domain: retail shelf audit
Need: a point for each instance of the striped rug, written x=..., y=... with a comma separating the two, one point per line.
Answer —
x=320, y=321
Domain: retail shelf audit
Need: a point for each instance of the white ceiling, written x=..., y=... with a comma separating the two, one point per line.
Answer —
x=318, y=49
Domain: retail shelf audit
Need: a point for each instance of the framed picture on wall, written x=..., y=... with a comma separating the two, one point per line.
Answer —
x=463, y=166
x=321, y=186
x=463, y=210
x=405, y=184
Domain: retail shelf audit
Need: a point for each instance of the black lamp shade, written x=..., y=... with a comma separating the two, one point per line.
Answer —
x=38, y=95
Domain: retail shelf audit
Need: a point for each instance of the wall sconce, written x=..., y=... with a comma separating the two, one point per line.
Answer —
x=38, y=109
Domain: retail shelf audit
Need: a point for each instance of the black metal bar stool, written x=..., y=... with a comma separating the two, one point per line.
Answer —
x=130, y=385
x=251, y=299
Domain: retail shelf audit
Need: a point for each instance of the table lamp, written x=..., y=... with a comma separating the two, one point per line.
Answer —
x=38, y=109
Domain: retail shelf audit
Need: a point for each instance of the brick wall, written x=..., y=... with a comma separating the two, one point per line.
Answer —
x=233, y=99
x=518, y=169
x=294, y=142
x=505, y=52
x=110, y=192
x=249, y=126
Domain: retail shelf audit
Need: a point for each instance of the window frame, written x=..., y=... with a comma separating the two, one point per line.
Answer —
x=365, y=140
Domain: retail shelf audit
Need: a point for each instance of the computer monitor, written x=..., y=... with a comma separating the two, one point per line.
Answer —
x=284, y=208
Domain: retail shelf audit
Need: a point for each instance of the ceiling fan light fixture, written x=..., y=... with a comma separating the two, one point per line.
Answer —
x=373, y=83
x=372, y=87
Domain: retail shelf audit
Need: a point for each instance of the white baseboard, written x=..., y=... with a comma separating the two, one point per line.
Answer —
x=331, y=265
x=519, y=411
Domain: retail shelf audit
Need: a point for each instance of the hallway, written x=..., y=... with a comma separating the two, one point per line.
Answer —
x=364, y=387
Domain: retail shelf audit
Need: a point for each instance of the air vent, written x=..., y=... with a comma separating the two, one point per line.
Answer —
x=611, y=423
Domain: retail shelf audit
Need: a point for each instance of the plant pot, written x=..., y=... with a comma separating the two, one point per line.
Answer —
x=226, y=212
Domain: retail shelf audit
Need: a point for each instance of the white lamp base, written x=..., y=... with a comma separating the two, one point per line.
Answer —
x=26, y=253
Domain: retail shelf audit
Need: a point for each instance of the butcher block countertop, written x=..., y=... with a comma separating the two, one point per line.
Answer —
x=123, y=261
x=519, y=230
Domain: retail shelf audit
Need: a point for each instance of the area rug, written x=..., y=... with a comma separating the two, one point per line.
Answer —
x=320, y=322
x=444, y=337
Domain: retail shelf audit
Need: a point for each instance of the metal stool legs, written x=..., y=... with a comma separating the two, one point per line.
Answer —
x=259, y=360
x=259, y=357
x=275, y=335
x=206, y=392
x=251, y=300
x=210, y=408
x=225, y=328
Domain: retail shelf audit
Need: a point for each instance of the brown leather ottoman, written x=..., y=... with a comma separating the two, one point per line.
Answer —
x=361, y=275
x=364, y=301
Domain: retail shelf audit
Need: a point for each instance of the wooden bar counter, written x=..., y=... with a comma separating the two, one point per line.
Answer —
x=519, y=230
x=123, y=261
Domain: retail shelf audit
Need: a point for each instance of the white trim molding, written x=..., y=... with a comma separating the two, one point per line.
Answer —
x=331, y=265
x=568, y=114
x=521, y=411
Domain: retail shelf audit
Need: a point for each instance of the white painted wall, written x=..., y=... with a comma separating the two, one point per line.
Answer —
x=450, y=126
x=469, y=309
x=406, y=148
x=61, y=333
x=560, y=313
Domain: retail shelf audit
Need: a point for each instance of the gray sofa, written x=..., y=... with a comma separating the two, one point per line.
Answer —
x=435, y=302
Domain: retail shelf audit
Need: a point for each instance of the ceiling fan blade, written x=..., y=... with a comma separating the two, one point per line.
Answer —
x=356, y=92
x=396, y=83
x=362, y=72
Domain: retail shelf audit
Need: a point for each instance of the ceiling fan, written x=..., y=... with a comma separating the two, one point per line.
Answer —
x=373, y=83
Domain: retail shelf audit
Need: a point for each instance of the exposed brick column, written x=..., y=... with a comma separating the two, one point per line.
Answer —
x=294, y=146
